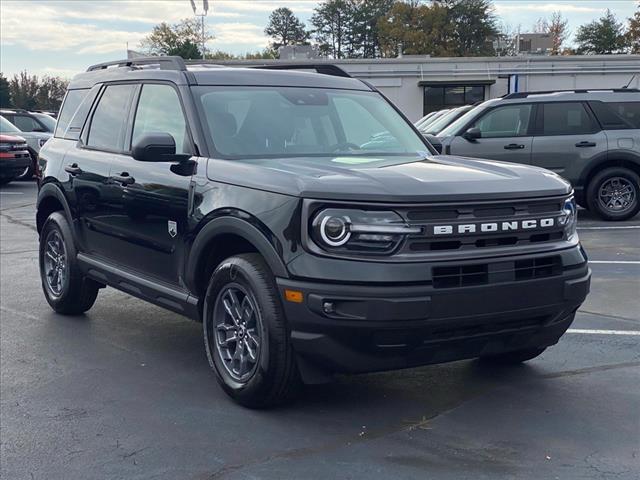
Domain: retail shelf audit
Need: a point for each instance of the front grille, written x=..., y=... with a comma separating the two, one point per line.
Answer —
x=499, y=212
x=485, y=273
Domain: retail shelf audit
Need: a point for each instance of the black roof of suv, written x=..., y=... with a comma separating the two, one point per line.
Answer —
x=303, y=220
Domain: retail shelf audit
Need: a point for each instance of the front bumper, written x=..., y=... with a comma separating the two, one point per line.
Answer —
x=11, y=167
x=364, y=328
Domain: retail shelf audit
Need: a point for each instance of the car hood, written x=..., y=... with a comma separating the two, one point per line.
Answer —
x=391, y=179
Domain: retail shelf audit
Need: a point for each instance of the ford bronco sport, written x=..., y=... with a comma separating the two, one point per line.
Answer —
x=303, y=220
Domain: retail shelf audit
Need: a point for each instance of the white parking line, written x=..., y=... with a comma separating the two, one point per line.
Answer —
x=11, y=193
x=604, y=332
x=617, y=262
x=621, y=227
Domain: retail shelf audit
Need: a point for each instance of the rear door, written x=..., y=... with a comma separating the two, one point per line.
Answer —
x=568, y=137
x=506, y=134
x=92, y=195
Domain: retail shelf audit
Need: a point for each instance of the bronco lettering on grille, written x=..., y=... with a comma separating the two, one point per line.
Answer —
x=491, y=227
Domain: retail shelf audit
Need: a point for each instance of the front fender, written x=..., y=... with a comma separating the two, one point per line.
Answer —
x=234, y=226
x=47, y=191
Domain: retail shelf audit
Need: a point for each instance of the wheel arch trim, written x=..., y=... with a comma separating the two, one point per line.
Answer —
x=51, y=190
x=226, y=225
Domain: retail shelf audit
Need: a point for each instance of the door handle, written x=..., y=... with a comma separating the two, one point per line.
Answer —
x=586, y=144
x=73, y=169
x=124, y=178
x=514, y=146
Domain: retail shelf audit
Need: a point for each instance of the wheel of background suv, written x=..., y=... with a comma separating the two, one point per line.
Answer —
x=65, y=289
x=26, y=174
x=510, y=358
x=246, y=335
x=613, y=193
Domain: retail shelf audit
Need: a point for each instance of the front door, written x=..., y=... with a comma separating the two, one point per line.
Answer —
x=153, y=199
x=568, y=139
x=505, y=135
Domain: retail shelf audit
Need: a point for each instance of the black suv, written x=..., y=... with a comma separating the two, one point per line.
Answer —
x=303, y=220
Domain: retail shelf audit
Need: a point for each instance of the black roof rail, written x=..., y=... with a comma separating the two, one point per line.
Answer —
x=163, y=62
x=582, y=90
x=323, y=68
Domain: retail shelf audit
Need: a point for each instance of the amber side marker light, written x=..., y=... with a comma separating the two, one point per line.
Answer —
x=294, y=296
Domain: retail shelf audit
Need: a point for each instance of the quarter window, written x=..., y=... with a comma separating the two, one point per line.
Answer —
x=507, y=121
x=109, y=118
x=566, y=119
x=71, y=103
x=628, y=111
x=159, y=111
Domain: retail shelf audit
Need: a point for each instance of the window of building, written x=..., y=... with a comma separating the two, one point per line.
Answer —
x=448, y=96
x=109, y=118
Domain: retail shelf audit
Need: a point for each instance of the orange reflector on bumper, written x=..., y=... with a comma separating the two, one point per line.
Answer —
x=294, y=296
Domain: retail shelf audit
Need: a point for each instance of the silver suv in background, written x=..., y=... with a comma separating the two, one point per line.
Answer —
x=590, y=137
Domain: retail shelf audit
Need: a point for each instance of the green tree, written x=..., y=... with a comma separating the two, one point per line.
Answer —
x=181, y=39
x=475, y=25
x=603, y=36
x=5, y=96
x=633, y=32
x=332, y=22
x=285, y=28
x=365, y=35
x=23, y=89
x=416, y=29
x=51, y=91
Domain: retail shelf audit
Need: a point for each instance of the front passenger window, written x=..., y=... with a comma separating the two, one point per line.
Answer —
x=159, y=111
x=507, y=121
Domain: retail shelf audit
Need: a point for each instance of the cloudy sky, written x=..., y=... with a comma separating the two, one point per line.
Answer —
x=62, y=37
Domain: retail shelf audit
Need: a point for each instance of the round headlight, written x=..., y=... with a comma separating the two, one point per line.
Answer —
x=335, y=230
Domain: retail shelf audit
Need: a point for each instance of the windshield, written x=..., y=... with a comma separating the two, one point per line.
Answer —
x=7, y=126
x=461, y=122
x=48, y=121
x=263, y=122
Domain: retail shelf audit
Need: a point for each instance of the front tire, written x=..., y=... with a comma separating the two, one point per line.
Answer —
x=246, y=334
x=613, y=194
x=65, y=288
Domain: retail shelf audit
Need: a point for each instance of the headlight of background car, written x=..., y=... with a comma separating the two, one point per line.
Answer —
x=569, y=218
x=363, y=231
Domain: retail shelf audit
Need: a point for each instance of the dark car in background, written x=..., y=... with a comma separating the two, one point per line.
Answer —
x=14, y=157
x=35, y=140
x=590, y=137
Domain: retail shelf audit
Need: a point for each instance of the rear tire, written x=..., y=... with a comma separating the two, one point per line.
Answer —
x=515, y=357
x=613, y=194
x=242, y=304
x=67, y=291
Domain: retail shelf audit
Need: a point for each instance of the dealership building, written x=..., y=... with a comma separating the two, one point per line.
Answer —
x=421, y=84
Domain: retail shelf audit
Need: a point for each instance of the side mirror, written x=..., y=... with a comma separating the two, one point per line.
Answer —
x=157, y=147
x=434, y=141
x=472, y=134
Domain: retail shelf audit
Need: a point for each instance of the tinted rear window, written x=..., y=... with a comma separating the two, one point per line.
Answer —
x=109, y=118
x=566, y=119
x=627, y=111
x=71, y=102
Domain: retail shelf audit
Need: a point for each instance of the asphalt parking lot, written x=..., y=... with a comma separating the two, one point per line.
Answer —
x=126, y=392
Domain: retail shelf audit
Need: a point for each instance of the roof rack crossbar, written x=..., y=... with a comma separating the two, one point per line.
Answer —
x=581, y=90
x=164, y=62
x=323, y=68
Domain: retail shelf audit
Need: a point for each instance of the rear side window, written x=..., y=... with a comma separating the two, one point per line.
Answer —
x=71, y=102
x=566, y=119
x=109, y=118
x=507, y=121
